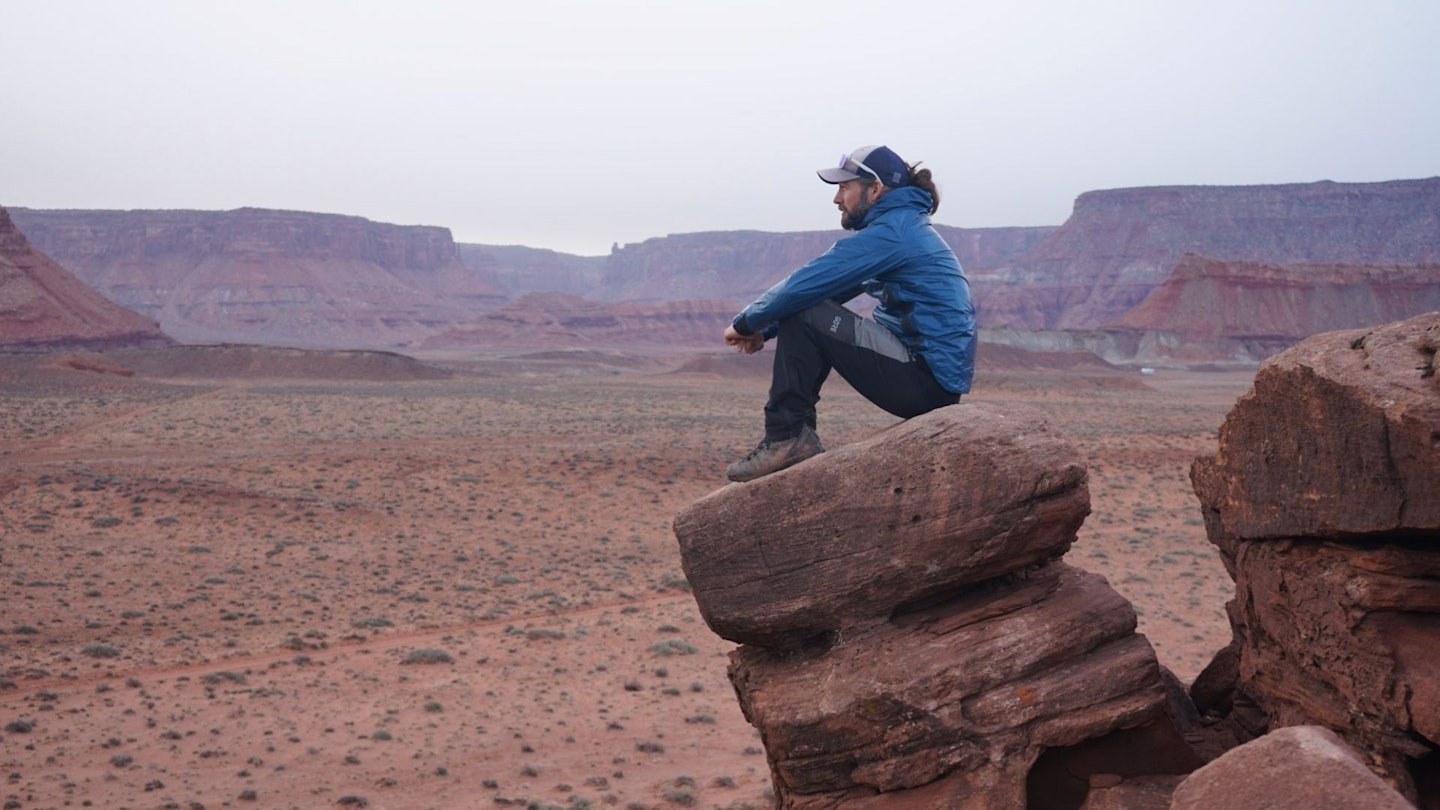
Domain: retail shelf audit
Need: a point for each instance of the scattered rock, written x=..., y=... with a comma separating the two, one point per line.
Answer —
x=1302, y=767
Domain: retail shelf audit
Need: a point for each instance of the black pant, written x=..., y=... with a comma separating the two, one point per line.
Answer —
x=869, y=356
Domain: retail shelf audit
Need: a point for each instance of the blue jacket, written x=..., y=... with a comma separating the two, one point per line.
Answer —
x=899, y=259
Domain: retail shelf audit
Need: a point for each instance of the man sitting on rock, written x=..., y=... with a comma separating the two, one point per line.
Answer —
x=918, y=354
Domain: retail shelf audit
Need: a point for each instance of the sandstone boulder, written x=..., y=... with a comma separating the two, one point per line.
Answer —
x=1322, y=499
x=950, y=706
x=1347, y=637
x=1339, y=436
x=1298, y=768
x=959, y=495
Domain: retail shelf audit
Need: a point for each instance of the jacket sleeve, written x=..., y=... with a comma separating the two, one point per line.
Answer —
x=839, y=271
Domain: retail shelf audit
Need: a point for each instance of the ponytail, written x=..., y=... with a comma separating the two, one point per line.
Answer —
x=920, y=178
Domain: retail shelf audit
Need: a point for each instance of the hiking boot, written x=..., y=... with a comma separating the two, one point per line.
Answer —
x=771, y=456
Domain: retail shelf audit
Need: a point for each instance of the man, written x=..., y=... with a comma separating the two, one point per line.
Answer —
x=918, y=354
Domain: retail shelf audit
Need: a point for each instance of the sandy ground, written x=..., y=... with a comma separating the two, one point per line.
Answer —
x=451, y=594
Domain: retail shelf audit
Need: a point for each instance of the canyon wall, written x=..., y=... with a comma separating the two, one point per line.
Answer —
x=740, y=265
x=43, y=306
x=254, y=275
x=1120, y=245
x=1228, y=274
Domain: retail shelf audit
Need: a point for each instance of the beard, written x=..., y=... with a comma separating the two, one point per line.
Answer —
x=850, y=220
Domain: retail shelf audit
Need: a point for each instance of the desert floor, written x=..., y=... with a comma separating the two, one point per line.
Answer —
x=456, y=593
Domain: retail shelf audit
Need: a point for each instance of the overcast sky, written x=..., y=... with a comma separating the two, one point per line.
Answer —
x=574, y=125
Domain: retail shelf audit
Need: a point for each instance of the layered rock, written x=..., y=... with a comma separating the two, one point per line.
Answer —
x=514, y=270
x=43, y=306
x=1119, y=245
x=1322, y=499
x=743, y=264
x=557, y=320
x=263, y=276
x=911, y=638
x=1252, y=310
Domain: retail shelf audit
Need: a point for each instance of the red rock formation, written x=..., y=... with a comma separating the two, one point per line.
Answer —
x=43, y=306
x=743, y=264
x=1300, y=768
x=1227, y=308
x=556, y=320
x=264, y=276
x=1322, y=500
x=910, y=639
x=894, y=534
x=1121, y=244
x=513, y=270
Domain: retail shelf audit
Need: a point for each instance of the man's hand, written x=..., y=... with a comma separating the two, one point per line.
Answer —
x=748, y=344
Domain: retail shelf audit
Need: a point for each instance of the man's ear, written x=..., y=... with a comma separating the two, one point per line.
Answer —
x=875, y=191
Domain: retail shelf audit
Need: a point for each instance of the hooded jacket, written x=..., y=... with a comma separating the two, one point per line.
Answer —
x=898, y=258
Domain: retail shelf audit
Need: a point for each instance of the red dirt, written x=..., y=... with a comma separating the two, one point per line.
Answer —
x=214, y=588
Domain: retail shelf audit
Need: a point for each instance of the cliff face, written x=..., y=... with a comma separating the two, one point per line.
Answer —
x=1274, y=272
x=42, y=306
x=1209, y=298
x=1320, y=499
x=1119, y=245
x=743, y=264
x=558, y=320
x=268, y=276
x=513, y=270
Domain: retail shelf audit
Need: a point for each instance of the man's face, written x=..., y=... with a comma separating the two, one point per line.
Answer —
x=853, y=199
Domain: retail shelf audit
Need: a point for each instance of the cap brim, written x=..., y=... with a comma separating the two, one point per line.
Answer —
x=836, y=175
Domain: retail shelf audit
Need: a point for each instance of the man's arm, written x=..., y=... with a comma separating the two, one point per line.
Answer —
x=840, y=271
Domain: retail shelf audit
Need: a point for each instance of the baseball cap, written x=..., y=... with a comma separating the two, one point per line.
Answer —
x=869, y=161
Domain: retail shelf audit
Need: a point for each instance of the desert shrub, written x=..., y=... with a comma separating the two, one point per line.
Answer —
x=373, y=621
x=106, y=522
x=381, y=734
x=649, y=747
x=428, y=655
x=434, y=706
x=20, y=726
x=223, y=676
x=673, y=646
x=670, y=581
x=681, y=791
x=101, y=651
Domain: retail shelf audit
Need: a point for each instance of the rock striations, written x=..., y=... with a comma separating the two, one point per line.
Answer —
x=559, y=320
x=262, y=276
x=44, y=307
x=1121, y=244
x=910, y=635
x=1322, y=498
x=1252, y=310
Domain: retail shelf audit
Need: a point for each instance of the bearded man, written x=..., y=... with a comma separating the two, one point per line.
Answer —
x=918, y=352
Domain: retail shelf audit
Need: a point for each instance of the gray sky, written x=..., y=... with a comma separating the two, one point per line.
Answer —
x=572, y=125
